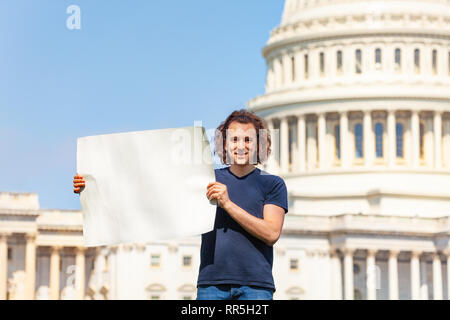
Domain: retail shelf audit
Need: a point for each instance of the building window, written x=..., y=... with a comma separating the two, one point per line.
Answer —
x=358, y=61
x=281, y=71
x=187, y=298
x=306, y=66
x=293, y=264
x=155, y=260
x=356, y=269
x=106, y=264
x=187, y=261
x=10, y=254
x=155, y=297
x=378, y=59
x=293, y=68
x=417, y=61
x=422, y=140
x=398, y=60
x=449, y=63
x=399, y=130
x=291, y=140
x=339, y=62
x=317, y=143
x=434, y=61
x=322, y=64
x=337, y=141
x=358, y=141
x=379, y=139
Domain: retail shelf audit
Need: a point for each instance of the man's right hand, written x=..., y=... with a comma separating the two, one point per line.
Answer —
x=78, y=183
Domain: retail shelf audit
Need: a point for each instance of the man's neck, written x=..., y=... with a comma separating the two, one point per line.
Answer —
x=241, y=170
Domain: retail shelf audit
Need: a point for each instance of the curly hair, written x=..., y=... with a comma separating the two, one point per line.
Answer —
x=262, y=134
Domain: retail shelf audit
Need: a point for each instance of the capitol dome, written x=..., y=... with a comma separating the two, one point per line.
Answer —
x=358, y=102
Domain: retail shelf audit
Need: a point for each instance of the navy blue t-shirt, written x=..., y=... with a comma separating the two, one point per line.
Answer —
x=229, y=254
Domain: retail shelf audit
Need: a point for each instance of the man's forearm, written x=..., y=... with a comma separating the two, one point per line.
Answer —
x=257, y=227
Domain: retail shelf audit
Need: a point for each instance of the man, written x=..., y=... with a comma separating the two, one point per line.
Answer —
x=237, y=256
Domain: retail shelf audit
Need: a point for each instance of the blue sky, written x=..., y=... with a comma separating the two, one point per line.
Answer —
x=133, y=65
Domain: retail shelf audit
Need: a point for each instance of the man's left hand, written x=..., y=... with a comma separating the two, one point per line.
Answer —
x=218, y=191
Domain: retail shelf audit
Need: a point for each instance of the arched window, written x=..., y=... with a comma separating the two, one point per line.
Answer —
x=422, y=140
x=322, y=64
x=337, y=141
x=291, y=141
x=306, y=66
x=449, y=63
x=339, y=62
x=417, y=61
x=317, y=142
x=398, y=60
x=281, y=71
x=399, y=130
x=378, y=59
x=379, y=139
x=293, y=68
x=434, y=58
x=358, y=61
x=358, y=140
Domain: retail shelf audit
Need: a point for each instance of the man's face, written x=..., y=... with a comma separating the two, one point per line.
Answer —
x=241, y=143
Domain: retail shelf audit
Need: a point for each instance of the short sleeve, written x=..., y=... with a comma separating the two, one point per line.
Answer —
x=278, y=194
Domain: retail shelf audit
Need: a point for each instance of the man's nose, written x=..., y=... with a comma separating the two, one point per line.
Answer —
x=241, y=145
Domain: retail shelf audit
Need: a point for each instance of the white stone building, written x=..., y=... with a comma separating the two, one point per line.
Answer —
x=358, y=97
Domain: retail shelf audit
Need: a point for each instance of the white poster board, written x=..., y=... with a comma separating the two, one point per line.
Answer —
x=145, y=186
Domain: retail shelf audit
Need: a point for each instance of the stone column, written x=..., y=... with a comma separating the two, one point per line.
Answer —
x=345, y=157
x=299, y=66
x=446, y=143
x=269, y=76
x=368, y=139
x=415, y=275
x=321, y=122
x=437, y=277
x=99, y=269
x=30, y=266
x=392, y=154
x=284, y=147
x=336, y=275
x=314, y=64
x=371, y=275
x=393, y=274
x=3, y=265
x=287, y=64
x=415, y=137
x=301, y=138
x=278, y=73
x=438, y=139
x=311, y=145
x=425, y=61
x=79, y=272
x=428, y=147
x=54, y=272
x=271, y=160
x=348, y=273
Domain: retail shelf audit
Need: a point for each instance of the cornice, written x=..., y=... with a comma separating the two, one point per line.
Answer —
x=356, y=33
x=19, y=212
x=331, y=93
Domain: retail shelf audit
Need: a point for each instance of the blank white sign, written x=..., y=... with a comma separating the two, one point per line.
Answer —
x=145, y=186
